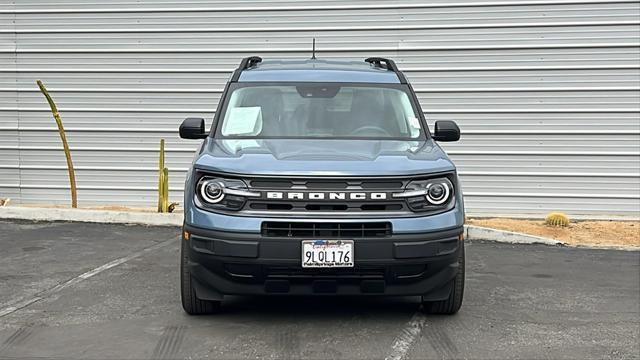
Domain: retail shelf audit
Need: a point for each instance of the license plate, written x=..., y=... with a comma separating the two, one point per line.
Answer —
x=327, y=253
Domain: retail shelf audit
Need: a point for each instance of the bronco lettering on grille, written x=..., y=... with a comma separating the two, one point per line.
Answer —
x=332, y=196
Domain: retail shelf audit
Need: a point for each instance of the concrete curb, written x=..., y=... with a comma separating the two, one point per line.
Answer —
x=92, y=216
x=482, y=233
x=175, y=219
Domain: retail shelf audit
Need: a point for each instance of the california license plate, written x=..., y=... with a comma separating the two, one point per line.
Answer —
x=327, y=253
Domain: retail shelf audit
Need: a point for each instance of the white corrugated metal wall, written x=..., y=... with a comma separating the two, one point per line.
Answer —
x=545, y=92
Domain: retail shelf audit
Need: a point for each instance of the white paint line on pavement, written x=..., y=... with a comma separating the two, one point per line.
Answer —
x=22, y=303
x=410, y=332
x=19, y=305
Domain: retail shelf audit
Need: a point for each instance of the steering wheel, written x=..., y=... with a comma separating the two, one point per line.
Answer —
x=370, y=129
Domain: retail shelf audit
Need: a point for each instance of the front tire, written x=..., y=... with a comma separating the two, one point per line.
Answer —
x=453, y=303
x=191, y=304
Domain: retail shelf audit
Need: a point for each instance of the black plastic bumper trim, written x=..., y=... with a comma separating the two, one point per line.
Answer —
x=248, y=236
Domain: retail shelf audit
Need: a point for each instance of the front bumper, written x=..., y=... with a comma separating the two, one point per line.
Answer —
x=231, y=263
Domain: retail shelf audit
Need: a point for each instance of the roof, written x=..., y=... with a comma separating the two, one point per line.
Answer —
x=314, y=70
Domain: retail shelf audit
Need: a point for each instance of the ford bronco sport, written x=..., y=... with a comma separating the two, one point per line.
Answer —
x=321, y=178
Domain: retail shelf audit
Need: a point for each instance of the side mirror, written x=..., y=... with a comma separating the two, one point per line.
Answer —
x=192, y=128
x=446, y=130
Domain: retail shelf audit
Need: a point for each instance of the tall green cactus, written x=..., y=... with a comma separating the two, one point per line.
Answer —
x=65, y=145
x=163, y=182
x=165, y=190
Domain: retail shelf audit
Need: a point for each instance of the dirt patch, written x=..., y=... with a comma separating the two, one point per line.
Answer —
x=590, y=233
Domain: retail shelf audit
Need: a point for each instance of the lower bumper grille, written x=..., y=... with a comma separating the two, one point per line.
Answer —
x=290, y=273
x=326, y=230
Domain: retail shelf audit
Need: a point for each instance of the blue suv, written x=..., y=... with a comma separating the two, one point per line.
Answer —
x=321, y=178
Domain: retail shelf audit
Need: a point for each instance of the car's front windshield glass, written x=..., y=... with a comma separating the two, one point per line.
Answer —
x=319, y=111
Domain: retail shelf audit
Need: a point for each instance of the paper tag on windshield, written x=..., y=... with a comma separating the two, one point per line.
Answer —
x=414, y=123
x=243, y=121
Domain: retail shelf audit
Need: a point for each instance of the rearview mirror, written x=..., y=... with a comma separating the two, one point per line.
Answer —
x=446, y=130
x=192, y=128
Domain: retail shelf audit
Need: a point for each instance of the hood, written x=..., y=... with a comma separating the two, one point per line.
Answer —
x=310, y=157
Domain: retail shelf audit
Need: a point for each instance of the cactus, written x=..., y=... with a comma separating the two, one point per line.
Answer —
x=163, y=181
x=163, y=185
x=557, y=219
x=165, y=190
x=161, y=176
x=65, y=146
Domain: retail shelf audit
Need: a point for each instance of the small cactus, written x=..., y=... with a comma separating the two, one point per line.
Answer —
x=557, y=219
x=172, y=207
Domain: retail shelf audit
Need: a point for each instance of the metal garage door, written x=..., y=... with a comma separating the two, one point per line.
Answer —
x=545, y=92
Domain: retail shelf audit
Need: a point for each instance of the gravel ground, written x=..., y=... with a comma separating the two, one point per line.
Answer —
x=521, y=301
x=581, y=233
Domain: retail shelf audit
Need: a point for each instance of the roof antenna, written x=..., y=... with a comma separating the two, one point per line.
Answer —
x=313, y=51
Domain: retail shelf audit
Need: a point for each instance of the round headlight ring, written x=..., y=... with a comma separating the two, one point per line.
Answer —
x=212, y=191
x=442, y=199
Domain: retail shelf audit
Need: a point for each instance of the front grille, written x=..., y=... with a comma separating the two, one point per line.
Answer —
x=325, y=206
x=326, y=230
x=328, y=184
x=308, y=206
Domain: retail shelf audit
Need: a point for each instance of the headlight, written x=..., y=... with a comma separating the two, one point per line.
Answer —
x=428, y=195
x=438, y=193
x=222, y=194
x=212, y=191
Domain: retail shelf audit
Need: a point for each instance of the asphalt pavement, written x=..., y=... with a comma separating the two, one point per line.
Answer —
x=76, y=291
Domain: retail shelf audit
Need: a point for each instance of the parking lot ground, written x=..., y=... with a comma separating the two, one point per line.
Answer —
x=119, y=299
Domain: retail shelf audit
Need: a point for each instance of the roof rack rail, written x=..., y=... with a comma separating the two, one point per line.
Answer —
x=245, y=64
x=387, y=64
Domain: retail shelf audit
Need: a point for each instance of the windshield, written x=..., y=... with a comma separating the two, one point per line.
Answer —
x=319, y=111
